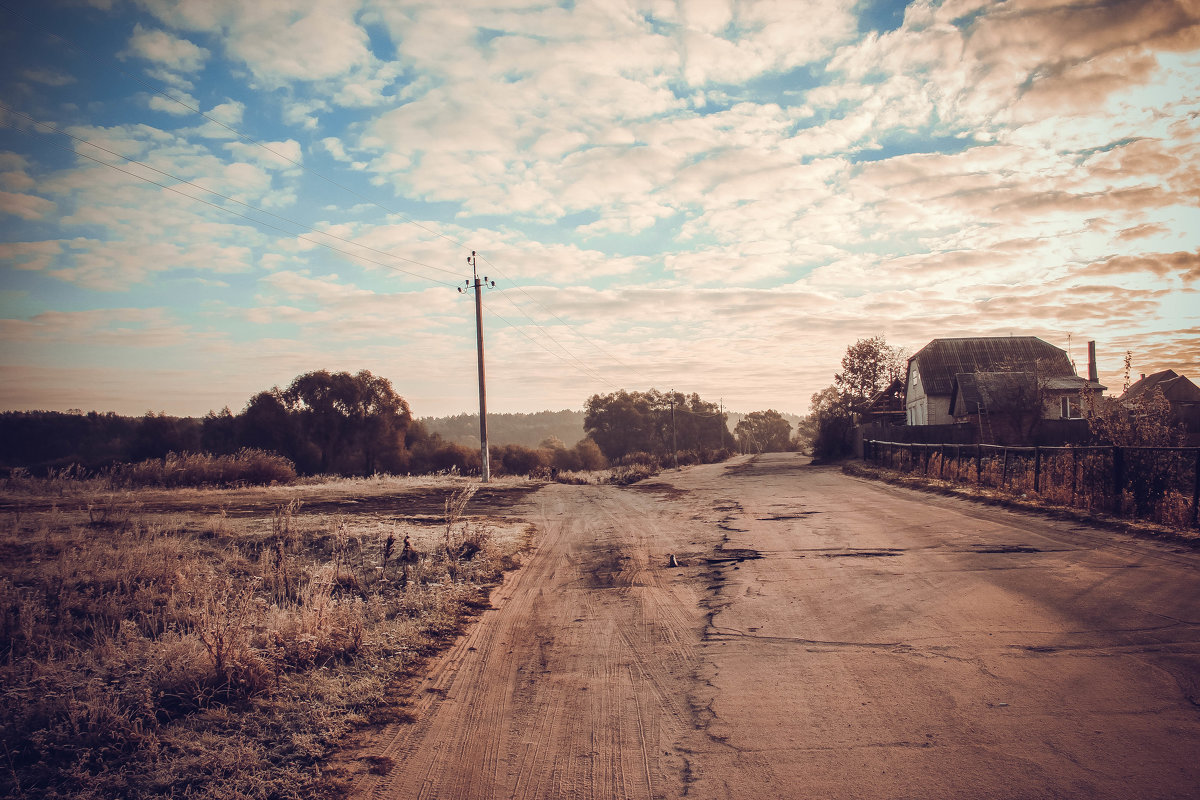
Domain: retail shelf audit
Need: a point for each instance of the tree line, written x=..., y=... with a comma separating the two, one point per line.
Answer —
x=322, y=422
x=357, y=424
x=529, y=430
x=636, y=425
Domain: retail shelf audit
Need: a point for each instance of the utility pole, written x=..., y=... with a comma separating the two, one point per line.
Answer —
x=724, y=426
x=484, y=464
x=674, y=443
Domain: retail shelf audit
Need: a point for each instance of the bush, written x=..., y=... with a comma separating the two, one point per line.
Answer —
x=513, y=459
x=589, y=455
x=436, y=456
x=833, y=438
x=247, y=466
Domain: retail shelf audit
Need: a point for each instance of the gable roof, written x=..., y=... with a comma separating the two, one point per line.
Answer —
x=995, y=391
x=1009, y=391
x=939, y=361
x=889, y=400
x=1175, y=387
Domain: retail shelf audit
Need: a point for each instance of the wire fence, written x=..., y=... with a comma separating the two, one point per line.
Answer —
x=1159, y=484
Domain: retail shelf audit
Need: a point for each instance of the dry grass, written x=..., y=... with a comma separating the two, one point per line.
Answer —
x=1064, y=485
x=198, y=653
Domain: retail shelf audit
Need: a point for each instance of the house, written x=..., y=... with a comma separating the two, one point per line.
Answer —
x=886, y=407
x=1181, y=394
x=1005, y=386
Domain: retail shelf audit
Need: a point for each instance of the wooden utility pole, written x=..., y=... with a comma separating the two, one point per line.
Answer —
x=674, y=443
x=484, y=465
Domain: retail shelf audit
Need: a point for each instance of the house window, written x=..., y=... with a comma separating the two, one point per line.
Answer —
x=1071, y=408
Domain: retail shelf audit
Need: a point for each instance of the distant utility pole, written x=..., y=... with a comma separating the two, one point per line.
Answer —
x=724, y=426
x=485, y=464
x=674, y=443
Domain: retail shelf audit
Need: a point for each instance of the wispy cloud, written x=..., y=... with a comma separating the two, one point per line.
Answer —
x=704, y=194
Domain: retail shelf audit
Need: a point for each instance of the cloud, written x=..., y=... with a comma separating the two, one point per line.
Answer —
x=30, y=256
x=1184, y=265
x=166, y=50
x=48, y=77
x=25, y=206
x=178, y=103
x=313, y=40
x=1141, y=231
x=123, y=327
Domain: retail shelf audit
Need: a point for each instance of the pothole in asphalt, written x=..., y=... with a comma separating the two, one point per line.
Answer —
x=864, y=554
x=735, y=555
x=797, y=515
x=1004, y=548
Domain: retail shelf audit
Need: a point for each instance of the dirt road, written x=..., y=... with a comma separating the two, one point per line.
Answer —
x=825, y=637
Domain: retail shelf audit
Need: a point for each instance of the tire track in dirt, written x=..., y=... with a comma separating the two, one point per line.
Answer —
x=575, y=685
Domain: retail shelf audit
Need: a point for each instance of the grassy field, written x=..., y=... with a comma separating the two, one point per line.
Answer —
x=220, y=643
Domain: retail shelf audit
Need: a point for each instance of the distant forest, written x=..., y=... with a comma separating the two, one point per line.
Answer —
x=530, y=430
x=357, y=425
x=527, y=430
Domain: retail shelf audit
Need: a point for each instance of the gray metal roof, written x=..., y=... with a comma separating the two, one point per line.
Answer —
x=940, y=360
x=1175, y=387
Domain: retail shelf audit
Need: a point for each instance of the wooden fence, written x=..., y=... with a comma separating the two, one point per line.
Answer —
x=1161, y=484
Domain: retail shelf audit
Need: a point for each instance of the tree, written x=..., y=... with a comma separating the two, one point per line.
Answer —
x=218, y=432
x=656, y=422
x=1145, y=422
x=619, y=423
x=357, y=422
x=832, y=422
x=764, y=432
x=266, y=424
x=868, y=367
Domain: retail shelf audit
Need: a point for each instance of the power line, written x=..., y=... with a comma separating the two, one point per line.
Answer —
x=551, y=313
x=249, y=218
x=258, y=143
x=233, y=130
x=194, y=185
x=583, y=370
x=545, y=331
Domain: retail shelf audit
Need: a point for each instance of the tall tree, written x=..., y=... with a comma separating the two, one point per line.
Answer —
x=764, y=432
x=868, y=367
x=656, y=422
x=355, y=421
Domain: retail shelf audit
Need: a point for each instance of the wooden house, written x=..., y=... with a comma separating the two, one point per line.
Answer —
x=1005, y=386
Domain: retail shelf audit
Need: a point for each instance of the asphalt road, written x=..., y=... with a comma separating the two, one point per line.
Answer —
x=824, y=637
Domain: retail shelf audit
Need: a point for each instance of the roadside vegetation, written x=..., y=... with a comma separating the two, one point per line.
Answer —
x=220, y=643
x=1134, y=467
x=868, y=367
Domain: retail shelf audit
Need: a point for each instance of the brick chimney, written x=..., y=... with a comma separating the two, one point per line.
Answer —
x=1093, y=373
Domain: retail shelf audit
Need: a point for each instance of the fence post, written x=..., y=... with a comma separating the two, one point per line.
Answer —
x=1118, y=477
x=979, y=464
x=1004, y=470
x=942, y=462
x=1074, y=470
x=1196, y=487
x=1037, y=470
x=912, y=457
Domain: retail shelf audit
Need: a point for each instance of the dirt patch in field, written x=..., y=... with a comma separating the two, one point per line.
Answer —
x=404, y=502
x=665, y=489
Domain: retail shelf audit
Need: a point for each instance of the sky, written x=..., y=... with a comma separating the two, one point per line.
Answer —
x=202, y=199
